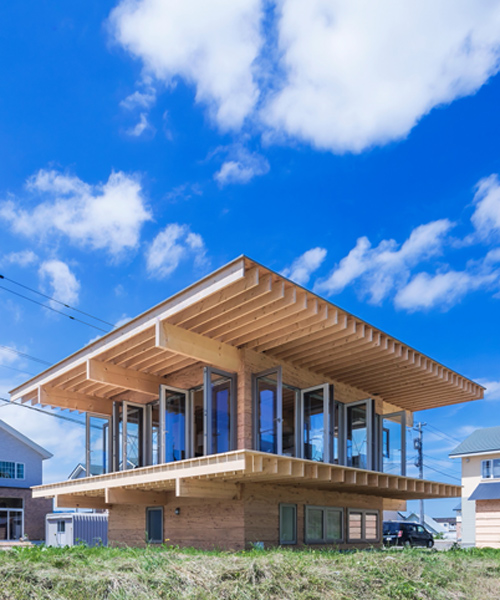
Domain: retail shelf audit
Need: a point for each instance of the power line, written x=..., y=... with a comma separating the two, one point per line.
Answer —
x=438, y=462
x=444, y=434
x=442, y=473
x=55, y=300
x=24, y=355
x=18, y=370
x=62, y=417
x=59, y=312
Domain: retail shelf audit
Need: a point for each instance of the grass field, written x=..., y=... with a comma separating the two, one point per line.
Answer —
x=121, y=574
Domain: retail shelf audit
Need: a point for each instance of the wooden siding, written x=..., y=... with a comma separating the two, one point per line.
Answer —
x=488, y=523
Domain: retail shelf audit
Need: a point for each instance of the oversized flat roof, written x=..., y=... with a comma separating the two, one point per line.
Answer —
x=244, y=306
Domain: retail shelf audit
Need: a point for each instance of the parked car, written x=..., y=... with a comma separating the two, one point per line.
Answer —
x=401, y=533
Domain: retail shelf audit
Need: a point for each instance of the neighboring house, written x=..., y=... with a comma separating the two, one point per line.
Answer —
x=458, y=511
x=21, y=515
x=449, y=523
x=480, y=507
x=246, y=409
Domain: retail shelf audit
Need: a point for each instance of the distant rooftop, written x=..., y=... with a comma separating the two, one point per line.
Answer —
x=480, y=441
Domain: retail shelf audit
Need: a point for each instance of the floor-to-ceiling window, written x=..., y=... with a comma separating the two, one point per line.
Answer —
x=392, y=435
x=174, y=405
x=220, y=410
x=98, y=454
x=11, y=519
x=359, y=434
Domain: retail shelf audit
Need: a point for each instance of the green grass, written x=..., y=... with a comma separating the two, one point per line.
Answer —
x=82, y=573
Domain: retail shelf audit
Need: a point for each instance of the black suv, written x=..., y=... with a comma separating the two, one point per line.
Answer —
x=401, y=533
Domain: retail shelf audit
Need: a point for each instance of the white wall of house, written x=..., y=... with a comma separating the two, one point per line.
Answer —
x=471, y=478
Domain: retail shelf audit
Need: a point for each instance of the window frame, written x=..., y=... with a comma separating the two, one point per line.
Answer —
x=150, y=509
x=287, y=505
x=363, y=512
x=325, y=539
x=20, y=464
x=14, y=468
x=492, y=467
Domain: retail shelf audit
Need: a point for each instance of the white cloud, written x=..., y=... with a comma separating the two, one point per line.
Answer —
x=143, y=100
x=213, y=49
x=171, y=246
x=105, y=216
x=64, y=286
x=342, y=76
x=304, y=266
x=426, y=291
x=242, y=167
x=388, y=265
x=492, y=389
x=486, y=217
x=24, y=258
x=140, y=127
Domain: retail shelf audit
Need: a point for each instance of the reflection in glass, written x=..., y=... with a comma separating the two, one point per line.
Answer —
x=392, y=452
x=198, y=428
x=314, y=426
x=221, y=414
x=3, y=525
x=134, y=439
x=357, y=436
x=267, y=405
x=155, y=433
x=175, y=426
x=98, y=445
x=289, y=420
x=314, y=524
x=15, y=525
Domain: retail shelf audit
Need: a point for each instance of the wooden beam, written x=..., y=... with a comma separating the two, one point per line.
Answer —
x=74, y=501
x=126, y=496
x=199, y=347
x=127, y=379
x=74, y=401
x=393, y=504
x=193, y=488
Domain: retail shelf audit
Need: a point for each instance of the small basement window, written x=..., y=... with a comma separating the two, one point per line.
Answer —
x=363, y=525
x=288, y=523
x=323, y=525
x=154, y=525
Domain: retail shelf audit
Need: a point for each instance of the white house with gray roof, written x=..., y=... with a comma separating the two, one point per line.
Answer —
x=480, y=456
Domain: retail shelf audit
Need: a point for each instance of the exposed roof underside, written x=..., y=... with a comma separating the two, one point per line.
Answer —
x=246, y=306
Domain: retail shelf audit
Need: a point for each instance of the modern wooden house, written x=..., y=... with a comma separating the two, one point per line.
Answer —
x=246, y=409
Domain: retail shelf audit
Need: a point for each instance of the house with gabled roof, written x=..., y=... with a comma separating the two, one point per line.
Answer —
x=21, y=461
x=480, y=506
x=246, y=409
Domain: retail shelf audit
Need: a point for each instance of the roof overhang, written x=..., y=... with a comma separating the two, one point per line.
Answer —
x=220, y=475
x=245, y=308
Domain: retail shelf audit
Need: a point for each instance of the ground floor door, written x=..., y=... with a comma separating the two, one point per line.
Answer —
x=11, y=524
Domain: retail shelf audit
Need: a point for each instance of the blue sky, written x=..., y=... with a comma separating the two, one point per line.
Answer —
x=353, y=147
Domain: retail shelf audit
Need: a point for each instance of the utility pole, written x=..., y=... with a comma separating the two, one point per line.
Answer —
x=419, y=461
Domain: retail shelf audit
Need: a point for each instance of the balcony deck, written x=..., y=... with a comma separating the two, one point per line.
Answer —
x=221, y=476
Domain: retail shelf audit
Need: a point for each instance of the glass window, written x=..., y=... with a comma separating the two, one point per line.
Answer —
x=393, y=444
x=98, y=445
x=7, y=469
x=496, y=468
x=357, y=436
x=289, y=421
x=154, y=525
x=61, y=526
x=485, y=468
x=198, y=426
x=134, y=441
x=288, y=523
x=19, y=470
x=175, y=426
x=314, y=424
x=323, y=524
x=333, y=524
x=221, y=414
x=267, y=417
